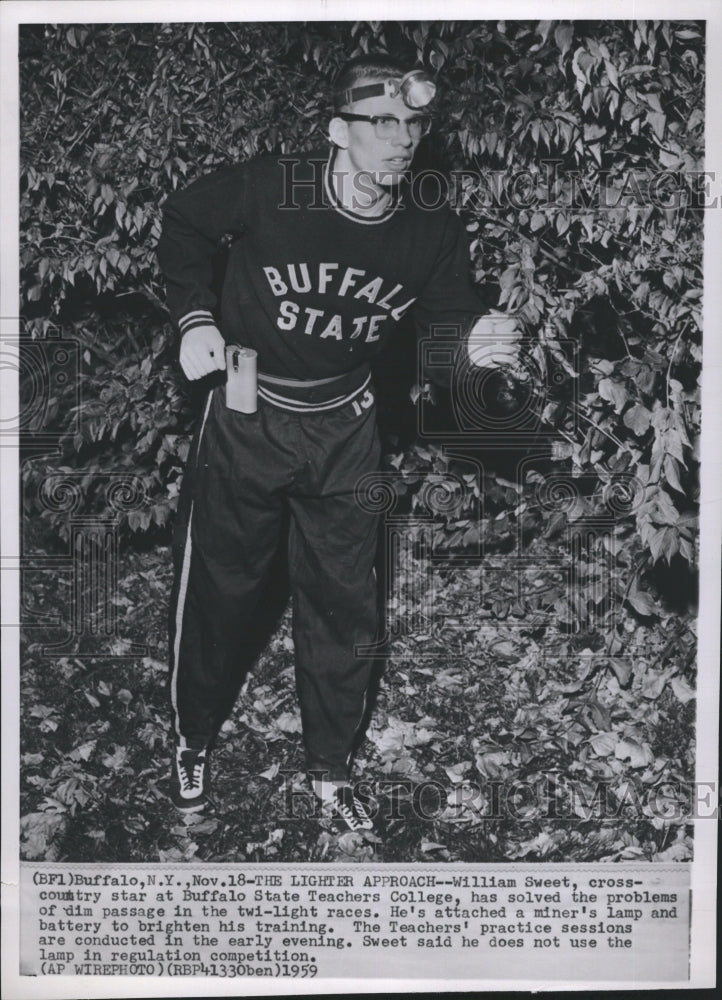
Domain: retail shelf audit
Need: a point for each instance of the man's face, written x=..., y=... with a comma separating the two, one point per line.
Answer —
x=385, y=160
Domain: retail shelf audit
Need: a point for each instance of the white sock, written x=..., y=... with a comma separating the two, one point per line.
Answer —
x=326, y=790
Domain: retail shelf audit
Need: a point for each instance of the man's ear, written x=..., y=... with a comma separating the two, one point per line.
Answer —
x=338, y=132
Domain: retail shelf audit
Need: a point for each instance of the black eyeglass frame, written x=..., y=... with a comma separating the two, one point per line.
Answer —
x=374, y=119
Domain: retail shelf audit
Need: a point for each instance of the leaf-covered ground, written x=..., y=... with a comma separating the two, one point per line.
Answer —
x=496, y=735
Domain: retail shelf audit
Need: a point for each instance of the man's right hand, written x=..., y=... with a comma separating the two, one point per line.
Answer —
x=202, y=351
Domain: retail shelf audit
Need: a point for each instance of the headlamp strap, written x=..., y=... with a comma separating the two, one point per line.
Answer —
x=360, y=93
x=390, y=88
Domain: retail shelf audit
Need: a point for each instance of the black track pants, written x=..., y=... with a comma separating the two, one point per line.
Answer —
x=243, y=470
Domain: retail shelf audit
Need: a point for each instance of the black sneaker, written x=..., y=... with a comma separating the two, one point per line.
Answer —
x=189, y=781
x=348, y=810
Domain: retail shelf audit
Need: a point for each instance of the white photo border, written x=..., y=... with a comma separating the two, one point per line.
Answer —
x=704, y=869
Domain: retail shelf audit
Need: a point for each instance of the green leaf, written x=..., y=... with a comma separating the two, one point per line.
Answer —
x=642, y=603
x=670, y=545
x=614, y=392
x=593, y=131
x=638, y=419
x=538, y=221
x=563, y=36
x=671, y=472
x=656, y=543
x=612, y=73
x=664, y=511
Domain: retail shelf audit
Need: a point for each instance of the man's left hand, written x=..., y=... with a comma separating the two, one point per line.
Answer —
x=495, y=341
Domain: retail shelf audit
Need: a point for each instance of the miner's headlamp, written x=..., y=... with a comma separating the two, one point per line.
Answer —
x=415, y=88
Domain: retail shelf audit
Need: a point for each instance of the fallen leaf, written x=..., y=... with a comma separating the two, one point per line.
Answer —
x=419, y=737
x=677, y=852
x=428, y=845
x=622, y=670
x=288, y=722
x=271, y=772
x=354, y=846
x=493, y=765
x=83, y=752
x=205, y=826
x=604, y=743
x=457, y=771
x=638, y=755
x=682, y=690
x=117, y=759
x=154, y=665
x=274, y=837
x=654, y=684
x=505, y=648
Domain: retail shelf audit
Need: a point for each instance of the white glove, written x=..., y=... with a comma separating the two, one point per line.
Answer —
x=494, y=341
x=202, y=351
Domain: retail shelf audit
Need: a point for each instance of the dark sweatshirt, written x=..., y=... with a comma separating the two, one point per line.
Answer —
x=314, y=288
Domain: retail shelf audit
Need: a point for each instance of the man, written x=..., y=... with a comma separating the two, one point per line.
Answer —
x=326, y=258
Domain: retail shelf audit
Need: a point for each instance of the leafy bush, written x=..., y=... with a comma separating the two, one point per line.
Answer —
x=552, y=113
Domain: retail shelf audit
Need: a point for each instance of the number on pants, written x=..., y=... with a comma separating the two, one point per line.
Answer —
x=359, y=405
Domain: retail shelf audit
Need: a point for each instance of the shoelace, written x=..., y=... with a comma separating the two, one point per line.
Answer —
x=190, y=772
x=354, y=814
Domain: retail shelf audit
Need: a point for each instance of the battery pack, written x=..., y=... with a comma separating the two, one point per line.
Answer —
x=242, y=381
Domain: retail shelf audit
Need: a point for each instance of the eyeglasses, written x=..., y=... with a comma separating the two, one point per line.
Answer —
x=388, y=126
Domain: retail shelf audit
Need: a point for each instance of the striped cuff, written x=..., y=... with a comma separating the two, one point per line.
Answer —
x=199, y=317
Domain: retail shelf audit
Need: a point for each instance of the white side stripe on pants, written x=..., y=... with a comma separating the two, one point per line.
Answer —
x=182, y=591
